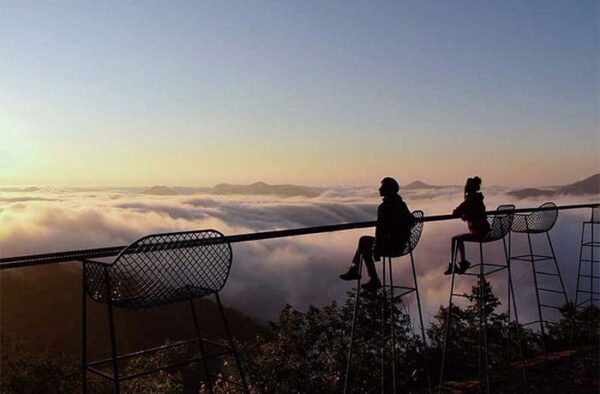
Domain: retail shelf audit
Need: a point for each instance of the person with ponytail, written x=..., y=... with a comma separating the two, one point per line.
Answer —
x=471, y=210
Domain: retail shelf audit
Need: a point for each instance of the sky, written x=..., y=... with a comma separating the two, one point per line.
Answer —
x=194, y=93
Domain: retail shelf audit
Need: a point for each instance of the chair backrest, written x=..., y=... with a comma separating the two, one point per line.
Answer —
x=596, y=214
x=538, y=221
x=415, y=233
x=501, y=222
x=163, y=268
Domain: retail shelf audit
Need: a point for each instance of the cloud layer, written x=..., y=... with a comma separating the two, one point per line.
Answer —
x=297, y=270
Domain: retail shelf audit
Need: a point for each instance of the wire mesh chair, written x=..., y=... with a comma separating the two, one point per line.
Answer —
x=589, y=292
x=411, y=244
x=536, y=222
x=159, y=269
x=541, y=222
x=500, y=223
x=500, y=226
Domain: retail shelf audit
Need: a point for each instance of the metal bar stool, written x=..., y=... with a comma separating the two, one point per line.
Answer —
x=590, y=245
x=589, y=293
x=156, y=270
x=499, y=228
x=541, y=222
x=415, y=235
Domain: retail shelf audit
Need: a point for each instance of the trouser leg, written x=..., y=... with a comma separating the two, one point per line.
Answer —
x=461, y=248
x=356, y=258
x=365, y=249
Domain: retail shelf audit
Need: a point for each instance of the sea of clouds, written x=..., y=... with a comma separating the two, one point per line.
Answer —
x=300, y=270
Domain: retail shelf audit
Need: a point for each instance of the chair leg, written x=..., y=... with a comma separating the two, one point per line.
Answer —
x=202, y=350
x=448, y=319
x=424, y=350
x=113, y=346
x=83, y=330
x=593, y=323
x=508, y=303
x=232, y=344
x=352, y=330
x=392, y=324
x=592, y=262
x=593, y=330
x=483, y=318
x=383, y=326
x=537, y=295
x=579, y=266
x=111, y=326
x=511, y=291
x=562, y=284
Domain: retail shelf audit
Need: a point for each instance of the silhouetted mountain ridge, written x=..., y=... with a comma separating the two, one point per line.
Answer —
x=160, y=191
x=20, y=189
x=531, y=192
x=590, y=185
x=421, y=185
x=262, y=188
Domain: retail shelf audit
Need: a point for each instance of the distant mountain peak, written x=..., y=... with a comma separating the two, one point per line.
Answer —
x=420, y=185
x=160, y=191
x=531, y=192
x=590, y=185
x=262, y=188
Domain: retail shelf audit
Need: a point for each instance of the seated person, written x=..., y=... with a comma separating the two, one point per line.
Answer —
x=471, y=210
x=392, y=232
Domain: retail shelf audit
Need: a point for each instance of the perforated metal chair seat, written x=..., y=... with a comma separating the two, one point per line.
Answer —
x=168, y=296
x=500, y=224
x=162, y=269
x=595, y=216
x=489, y=238
x=536, y=222
x=415, y=235
x=531, y=231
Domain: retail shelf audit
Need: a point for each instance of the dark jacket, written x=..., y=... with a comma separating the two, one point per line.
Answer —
x=472, y=210
x=394, y=222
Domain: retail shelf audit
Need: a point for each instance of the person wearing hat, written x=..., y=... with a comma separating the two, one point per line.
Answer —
x=392, y=232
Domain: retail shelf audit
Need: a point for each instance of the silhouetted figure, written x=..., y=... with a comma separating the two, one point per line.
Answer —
x=392, y=232
x=471, y=210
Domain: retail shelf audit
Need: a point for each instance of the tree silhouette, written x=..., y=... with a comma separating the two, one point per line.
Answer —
x=506, y=342
x=308, y=350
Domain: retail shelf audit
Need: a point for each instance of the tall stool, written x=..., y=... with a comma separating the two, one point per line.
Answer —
x=499, y=228
x=415, y=235
x=540, y=223
x=588, y=245
x=155, y=270
x=590, y=293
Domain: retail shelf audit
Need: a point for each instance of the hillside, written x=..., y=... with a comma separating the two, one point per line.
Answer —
x=416, y=185
x=160, y=191
x=41, y=309
x=20, y=189
x=586, y=186
x=589, y=185
x=261, y=188
x=531, y=193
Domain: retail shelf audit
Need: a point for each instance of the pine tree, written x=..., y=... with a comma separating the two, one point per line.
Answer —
x=506, y=342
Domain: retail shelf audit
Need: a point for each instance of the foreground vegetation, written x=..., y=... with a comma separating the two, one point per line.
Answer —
x=305, y=352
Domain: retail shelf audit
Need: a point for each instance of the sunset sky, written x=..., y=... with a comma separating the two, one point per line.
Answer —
x=197, y=93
